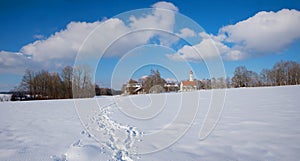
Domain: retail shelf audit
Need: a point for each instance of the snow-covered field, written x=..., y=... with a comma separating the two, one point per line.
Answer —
x=256, y=124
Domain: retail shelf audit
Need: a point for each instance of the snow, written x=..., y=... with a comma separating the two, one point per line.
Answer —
x=5, y=97
x=256, y=124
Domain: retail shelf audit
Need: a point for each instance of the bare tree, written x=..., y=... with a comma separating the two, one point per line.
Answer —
x=285, y=73
x=55, y=86
x=278, y=70
x=245, y=78
x=252, y=79
x=67, y=76
x=228, y=82
x=265, y=77
x=239, y=79
x=153, y=79
x=27, y=83
x=157, y=89
x=82, y=82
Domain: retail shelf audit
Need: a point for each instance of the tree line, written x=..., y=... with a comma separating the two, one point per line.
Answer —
x=76, y=82
x=70, y=83
x=282, y=73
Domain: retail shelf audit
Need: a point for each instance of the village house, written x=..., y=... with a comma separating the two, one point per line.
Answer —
x=132, y=87
x=137, y=87
x=171, y=86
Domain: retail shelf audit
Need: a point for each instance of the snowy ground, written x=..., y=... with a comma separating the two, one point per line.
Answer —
x=256, y=124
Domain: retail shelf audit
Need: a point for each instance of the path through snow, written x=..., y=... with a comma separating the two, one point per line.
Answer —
x=116, y=142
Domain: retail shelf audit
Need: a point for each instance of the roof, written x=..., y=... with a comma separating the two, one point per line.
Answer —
x=171, y=85
x=188, y=83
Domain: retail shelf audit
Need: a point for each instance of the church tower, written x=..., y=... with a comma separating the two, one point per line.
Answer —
x=191, y=75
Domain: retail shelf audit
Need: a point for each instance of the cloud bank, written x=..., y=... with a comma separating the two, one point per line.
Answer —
x=264, y=33
x=62, y=47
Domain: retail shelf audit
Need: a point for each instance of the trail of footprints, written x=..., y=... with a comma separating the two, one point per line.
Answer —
x=121, y=138
x=116, y=140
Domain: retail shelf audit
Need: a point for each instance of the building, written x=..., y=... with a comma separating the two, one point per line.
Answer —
x=138, y=87
x=189, y=85
x=171, y=86
x=132, y=87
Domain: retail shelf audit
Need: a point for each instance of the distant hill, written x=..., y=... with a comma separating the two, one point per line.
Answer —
x=6, y=92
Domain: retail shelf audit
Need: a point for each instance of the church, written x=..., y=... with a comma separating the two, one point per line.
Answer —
x=188, y=85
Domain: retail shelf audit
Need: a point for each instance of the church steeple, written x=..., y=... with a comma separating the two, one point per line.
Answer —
x=191, y=75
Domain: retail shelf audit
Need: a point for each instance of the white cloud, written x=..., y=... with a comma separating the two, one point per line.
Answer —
x=204, y=50
x=186, y=32
x=226, y=52
x=165, y=5
x=160, y=18
x=11, y=62
x=62, y=47
x=62, y=44
x=210, y=47
x=265, y=32
x=66, y=43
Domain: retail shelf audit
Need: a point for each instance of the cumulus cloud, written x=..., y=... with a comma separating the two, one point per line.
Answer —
x=66, y=43
x=186, y=32
x=204, y=50
x=165, y=5
x=62, y=44
x=93, y=38
x=210, y=47
x=11, y=62
x=160, y=18
x=264, y=33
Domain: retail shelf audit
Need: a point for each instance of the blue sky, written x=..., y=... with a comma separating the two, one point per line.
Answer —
x=24, y=23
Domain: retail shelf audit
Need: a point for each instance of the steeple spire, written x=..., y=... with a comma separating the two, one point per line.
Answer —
x=191, y=75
